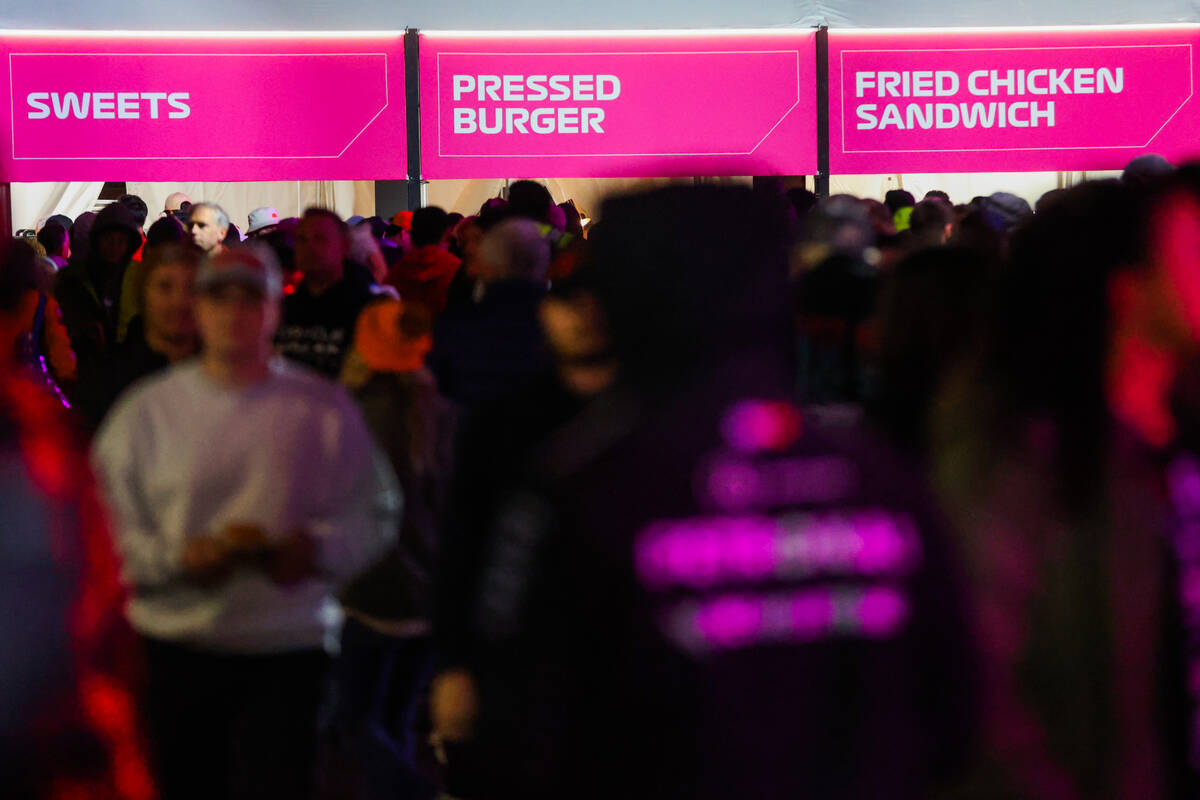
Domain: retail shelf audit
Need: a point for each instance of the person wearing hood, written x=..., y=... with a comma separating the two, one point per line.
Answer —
x=424, y=275
x=635, y=598
x=97, y=297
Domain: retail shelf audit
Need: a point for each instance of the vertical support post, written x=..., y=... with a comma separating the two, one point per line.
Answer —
x=412, y=105
x=6, y=217
x=822, y=177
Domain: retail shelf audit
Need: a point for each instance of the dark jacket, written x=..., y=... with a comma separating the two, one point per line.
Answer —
x=90, y=294
x=413, y=425
x=132, y=360
x=487, y=349
x=680, y=589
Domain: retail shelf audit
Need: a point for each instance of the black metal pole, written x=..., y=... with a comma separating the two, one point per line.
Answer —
x=822, y=177
x=6, y=220
x=412, y=97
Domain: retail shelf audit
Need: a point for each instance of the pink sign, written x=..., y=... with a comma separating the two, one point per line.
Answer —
x=125, y=108
x=618, y=106
x=1010, y=101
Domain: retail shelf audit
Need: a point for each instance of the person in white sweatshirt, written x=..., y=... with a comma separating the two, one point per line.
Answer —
x=244, y=491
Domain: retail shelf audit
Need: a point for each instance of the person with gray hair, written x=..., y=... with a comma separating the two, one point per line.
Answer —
x=491, y=347
x=208, y=224
x=515, y=249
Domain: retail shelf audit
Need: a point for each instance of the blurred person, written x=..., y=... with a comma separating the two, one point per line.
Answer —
x=938, y=194
x=577, y=337
x=176, y=201
x=261, y=221
x=235, y=523
x=1045, y=450
x=167, y=230
x=423, y=276
x=208, y=225
x=803, y=201
x=530, y=200
x=467, y=284
x=386, y=654
x=1004, y=211
x=366, y=252
x=930, y=308
x=881, y=218
x=137, y=207
x=62, y=220
x=896, y=199
x=601, y=637
x=572, y=220
x=32, y=335
x=930, y=225
x=319, y=316
x=54, y=238
x=96, y=293
x=69, y=718
x=79, y=235
x=1048, y=199
x=1146, y=171
x=491, y=346
x=834, y=290
x=900, y=203
x=163, y=333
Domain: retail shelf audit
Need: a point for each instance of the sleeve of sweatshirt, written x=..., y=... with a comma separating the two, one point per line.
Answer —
x=148, y=559
x=361, y=517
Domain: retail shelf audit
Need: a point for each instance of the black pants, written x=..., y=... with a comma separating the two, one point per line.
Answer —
x=234, y=726
x=380, y=682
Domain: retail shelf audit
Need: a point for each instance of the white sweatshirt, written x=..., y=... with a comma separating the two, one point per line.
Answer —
x=182, y=456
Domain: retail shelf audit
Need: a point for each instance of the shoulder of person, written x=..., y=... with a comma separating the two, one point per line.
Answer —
x=129, y=411
x=297, y=378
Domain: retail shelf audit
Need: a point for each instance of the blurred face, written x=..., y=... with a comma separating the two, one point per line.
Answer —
x=321, y=248
x=204, y=230
x=236, y=323
x=170, y=303
x=471, y=237
x=113, y=246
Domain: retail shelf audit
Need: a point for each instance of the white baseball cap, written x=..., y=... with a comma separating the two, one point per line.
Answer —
x=262, y=218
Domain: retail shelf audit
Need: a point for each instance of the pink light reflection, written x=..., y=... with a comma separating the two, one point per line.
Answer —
x=730, y=621
x=753, y=426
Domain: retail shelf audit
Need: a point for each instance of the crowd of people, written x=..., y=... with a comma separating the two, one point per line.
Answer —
x=741, y=492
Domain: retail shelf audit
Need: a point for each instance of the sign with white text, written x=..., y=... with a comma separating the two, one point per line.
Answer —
x=1010, y=101
x=616, y=106
x=207, y=109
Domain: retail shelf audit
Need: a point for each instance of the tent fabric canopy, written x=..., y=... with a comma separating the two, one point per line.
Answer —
x=323, y=15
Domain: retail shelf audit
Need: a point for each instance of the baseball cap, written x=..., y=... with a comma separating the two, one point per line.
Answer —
x=262, y=218
x=252, y=266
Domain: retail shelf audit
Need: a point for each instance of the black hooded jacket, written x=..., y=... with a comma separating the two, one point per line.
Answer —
x=89, y=294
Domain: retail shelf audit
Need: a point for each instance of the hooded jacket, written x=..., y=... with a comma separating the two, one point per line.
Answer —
x=97, y=302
